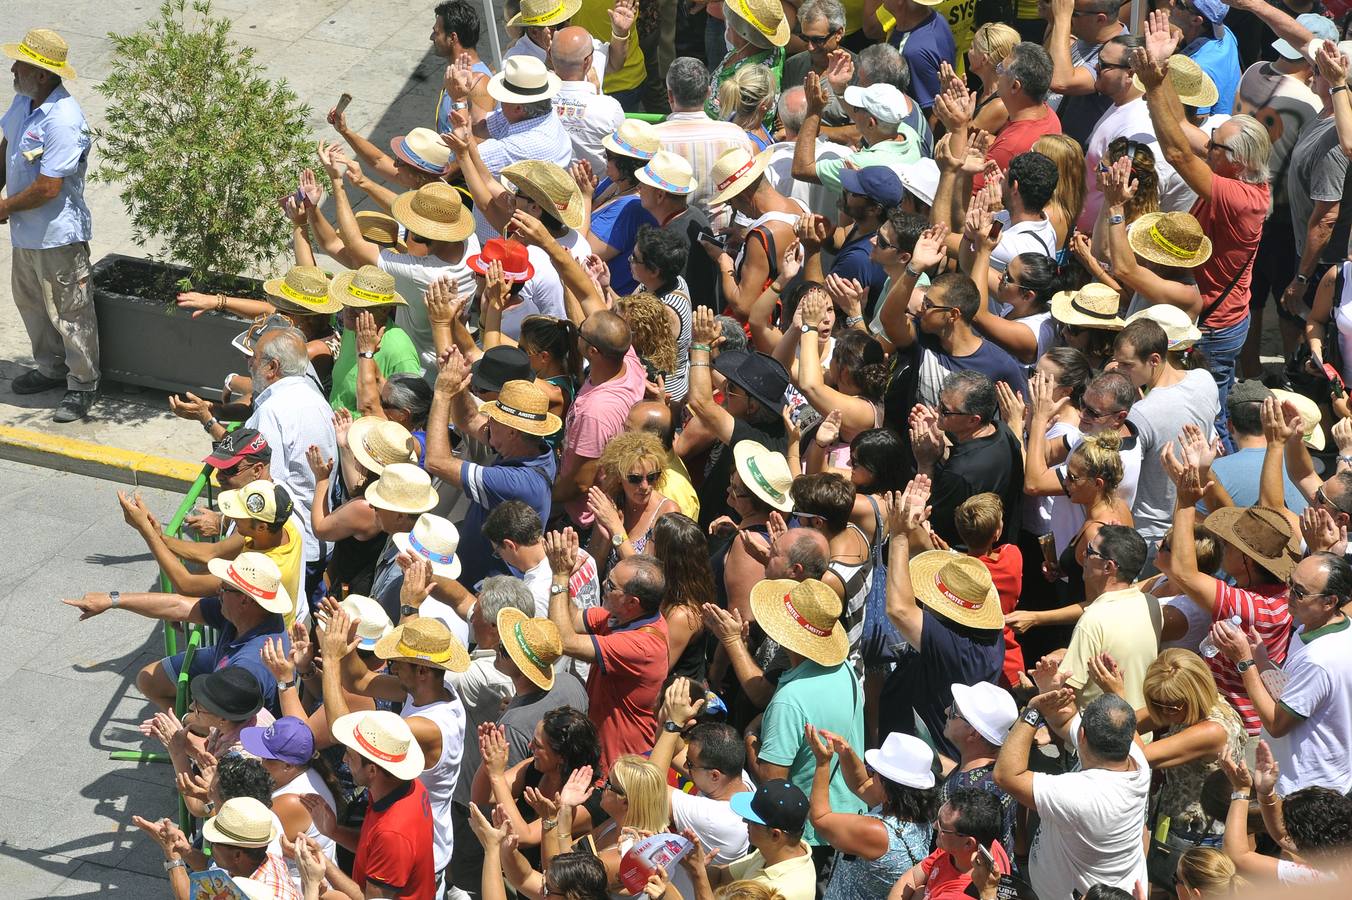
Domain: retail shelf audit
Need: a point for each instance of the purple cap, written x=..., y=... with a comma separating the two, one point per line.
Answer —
x=287, y=740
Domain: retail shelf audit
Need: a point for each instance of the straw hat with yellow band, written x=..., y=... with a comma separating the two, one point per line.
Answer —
x=957, y=587
x=539, y=13
x=803, y=616
x=551, y=187
x=366, y=287
x=425, y=642
x=1261, y=533
x=1169, y=239
x=532, y=644
x=765, y=473
x=1092, y=306
x=303, y=290
x=523, y=406
x=43, y=48
x=766, y=16
x=436, y=211
x=1193, y=84
x=734, y=171
x=380, y=229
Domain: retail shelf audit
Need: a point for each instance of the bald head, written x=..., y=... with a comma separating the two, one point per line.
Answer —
x=571, y=53
x=608, y=333
x=654, y=418
x=792, y=110
x=800, y=553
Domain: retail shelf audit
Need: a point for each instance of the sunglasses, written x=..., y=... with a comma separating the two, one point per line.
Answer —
x=1296, y=592
x=1107, y=65
x=815, y=40
x=927, y=305
x=1212, y=145
x=1005, y=279
x=652, y=478
x=1091, y=550
x=883, y=243
x=949, y=411
x=614, y=788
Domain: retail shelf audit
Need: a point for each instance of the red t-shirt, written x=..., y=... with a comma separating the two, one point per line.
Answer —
x=1233, y=219
x=395, y=847
x=624, y=682
x=1018, y=137
x=1266, y=612
x=1006, y=568
x=943, y=881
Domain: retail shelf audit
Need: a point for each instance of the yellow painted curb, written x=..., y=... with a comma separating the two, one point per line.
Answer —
x=87, y=458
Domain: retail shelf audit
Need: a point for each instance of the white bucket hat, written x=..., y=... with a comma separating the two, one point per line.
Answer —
x=256, y=575
x=382, y=738
x=988, y=708
x=242, y=822
x=1178, y=326
x=434, y=539
x=523, y=79
x=903, y=759
x=373, y=623
x=403, y=488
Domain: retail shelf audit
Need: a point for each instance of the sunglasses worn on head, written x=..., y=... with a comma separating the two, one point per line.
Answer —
x=636, y=480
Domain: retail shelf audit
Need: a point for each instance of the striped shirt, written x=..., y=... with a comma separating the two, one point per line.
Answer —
x=1264, y=610
x=273, y=875
x=700, y=139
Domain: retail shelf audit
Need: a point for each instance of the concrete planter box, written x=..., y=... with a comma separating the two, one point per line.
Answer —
x=146, y=340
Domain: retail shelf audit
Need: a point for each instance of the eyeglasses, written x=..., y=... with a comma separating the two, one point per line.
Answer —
x=1002, y=69
x=1107, y=65
x=1088, y=412
x=614, y=788
x=927, y=304
x=1212, y=145
x=636, y=480
x=802, y=516
x=952, y=713
x=609, y=585
x=636, y=260
x=935, y=825
x=945, y=410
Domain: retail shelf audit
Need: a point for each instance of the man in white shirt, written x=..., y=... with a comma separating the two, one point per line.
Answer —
x=792, y=109
x=540, y=22
x=1029, y=185
x=586, y=113
x=689, y=132
x=1091, y=818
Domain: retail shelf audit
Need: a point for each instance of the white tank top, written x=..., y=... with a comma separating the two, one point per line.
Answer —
x=439, y=777
x=309, y=782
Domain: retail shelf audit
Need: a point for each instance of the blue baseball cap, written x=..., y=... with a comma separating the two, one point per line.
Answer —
x=1212, y=10
x=287, y=740
x=1321, y=27
x=777, y=803
x=878, y=183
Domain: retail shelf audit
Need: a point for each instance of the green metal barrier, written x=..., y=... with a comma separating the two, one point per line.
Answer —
x=646, y=117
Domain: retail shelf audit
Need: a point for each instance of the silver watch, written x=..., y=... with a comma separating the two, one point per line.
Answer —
x=172, y=864
x=114, y=599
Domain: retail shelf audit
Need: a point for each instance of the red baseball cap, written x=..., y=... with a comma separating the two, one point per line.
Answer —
x=237, y=445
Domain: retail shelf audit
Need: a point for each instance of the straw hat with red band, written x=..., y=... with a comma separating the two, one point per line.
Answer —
x=304, y=290
x=734, y=172
x=803, y=617
x=515, y=259
x=43, y=48
x=423, y=149
x=533, y=645
x=424, y=642
x=381, y=737
x=957, y=587
x=257, y=576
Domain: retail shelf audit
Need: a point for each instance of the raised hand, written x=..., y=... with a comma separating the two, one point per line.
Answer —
x=1117, y=184
x=1320, y=531
x=817, y=97
x=582, y=173
x=339, y=638
x=1265, y=771
x=443, y=301
x=622, y=16
x=608, y=518
x=310, y=188
x=1278, y=426
x=561, y=549
x=453, y=373
x=493, y=748
x=839, y=70
x=1197, y=450
x=1012, y=408
x=821, y=749
x=846, y=293
x=1332, y=63
x=417, y=579
x=679, y=704
x=927, y=438
x=578, y=788
x=829, y=430
x=724, y=624
x=321, y=814
x=1107, y=674
x=460, y=78
x=931, y=247
x=319, y=464
x=332, y=161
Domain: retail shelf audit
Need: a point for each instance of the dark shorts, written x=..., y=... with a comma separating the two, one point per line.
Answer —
x=1275, y=265
x=203, y=661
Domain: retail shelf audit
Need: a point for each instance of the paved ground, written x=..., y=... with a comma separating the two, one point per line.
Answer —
x=68, y=695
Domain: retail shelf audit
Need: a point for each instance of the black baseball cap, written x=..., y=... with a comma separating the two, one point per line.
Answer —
x=239, y=444
x=498, y=366
x=777, y=803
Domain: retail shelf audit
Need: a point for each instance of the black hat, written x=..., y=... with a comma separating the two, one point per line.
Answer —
x=760, y=375
x=233, y=693
x=237, y=445
x=777, y=803
x=498, y=366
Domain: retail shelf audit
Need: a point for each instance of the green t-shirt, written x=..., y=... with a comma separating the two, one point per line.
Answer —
x=888, y=153
x=396, y=354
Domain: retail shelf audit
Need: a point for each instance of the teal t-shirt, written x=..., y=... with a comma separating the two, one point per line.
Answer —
x=396, y=354
x=892, y=153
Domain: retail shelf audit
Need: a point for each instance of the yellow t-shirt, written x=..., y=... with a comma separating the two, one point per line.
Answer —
x=1118, y=622
x=594, y=15
x=961, y=18
x=854, y=15
x=288, y=557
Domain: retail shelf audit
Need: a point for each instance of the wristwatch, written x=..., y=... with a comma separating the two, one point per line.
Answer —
x=1303, y=279
x=1245, y=665
x=1116, y=220
x=670, y=727
x=405, y=610
x=851, y=321
x=805, y=329
x=286, y=685
x=1239, y=795
x=367, y=354
x=114, y=599
x=1033, y=717
x=617, y=539
x=557, y=588
x=172, y=864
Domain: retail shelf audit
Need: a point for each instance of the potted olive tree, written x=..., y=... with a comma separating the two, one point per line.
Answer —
x=202, y=144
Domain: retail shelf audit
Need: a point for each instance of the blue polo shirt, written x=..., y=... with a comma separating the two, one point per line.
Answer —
x=854, y=261
x=233, y=649
x=1219, y=58
x=924, y=47
x=528, y=479
x=52, y=140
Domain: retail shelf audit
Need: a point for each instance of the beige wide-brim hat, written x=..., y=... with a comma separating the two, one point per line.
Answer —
x=1169, y=239
x=523, y=406
x=242, y=822
x=1179, y=327
x=436, y=211
x=1193, y=84
x=367, y=287
x=380, y=228
x=303, y=290
x=43, y=48
x=423, y=149
x=1259, y=532
x=534, y=645
x=403, y=488
x=766, y=16
x=1310, y=415
x=551, y=187
x=537, y=13
x=426, y=642
x=383, y=738
x=376, y=443
x=257, y=576
x=373, y=623
x=957, y=587
x=523, y=79
x=734, y=171
x=765, y=473
x=634, y=138
x=803, y=616
x=1092, y=306
x=434, y=539
x=669, y=172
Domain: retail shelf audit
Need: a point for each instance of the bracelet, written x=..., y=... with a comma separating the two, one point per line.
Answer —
x=693, y=364
x=772, y=289
x=1345, y=459
x=1268, y=799
x=851, y=321
x=910, y=270
x=616, y=36
x=459, y=104
x=220, y=302
x=705, y=347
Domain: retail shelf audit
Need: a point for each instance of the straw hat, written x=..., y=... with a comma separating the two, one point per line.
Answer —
x=766, y=16
x=383, y=738
x=1194, y=86
x=903, y=759
x=377, y=442
x=634, y=138
x=1179, y=327
x=43, y=48
x=1259, y=532
x=523, y=79
x=523, y=406
x=1092, y=306
x=368, y=286
x=434, y=539
x=303, y=289
x=669, y=172
x=1170, y=239
x=1310, y=414
x=550, y=186
x=735, y=169
x=373, y=623
x=403, y=488
x=957, y=587
x=436, y=210
x=380, y=228
x=425, y=642
x=535, y=13
x=257, y=576
x=423, y=149
x=533, y=645
x=765, y=473
x=242, y=822
x=803, y=617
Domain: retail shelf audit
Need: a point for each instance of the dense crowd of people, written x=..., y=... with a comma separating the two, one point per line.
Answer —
x=861, y=481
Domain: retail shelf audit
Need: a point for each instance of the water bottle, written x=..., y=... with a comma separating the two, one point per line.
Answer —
x=1208, y=647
